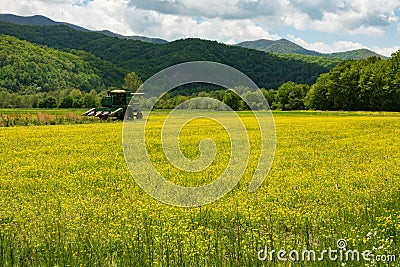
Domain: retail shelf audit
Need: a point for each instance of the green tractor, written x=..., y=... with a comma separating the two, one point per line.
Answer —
x=118, y=104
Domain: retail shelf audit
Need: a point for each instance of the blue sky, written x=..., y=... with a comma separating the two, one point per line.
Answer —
x=321, y=25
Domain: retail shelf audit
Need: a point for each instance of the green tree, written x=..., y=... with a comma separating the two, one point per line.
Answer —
x=48, y=102
x=346, y=88
x=66, y=102
x=373, y=86
x=232, y=100
x=368, y=84
x=76, y=96
x=393, y=87
x=255, y=100
x=132, y=82
x=290, y=96
x=270, y=96
x=89, y=101
x=317, y=97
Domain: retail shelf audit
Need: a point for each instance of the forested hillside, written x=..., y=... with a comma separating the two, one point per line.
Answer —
x=39, y=20
x=146, y=59
x=284, y=46
x=134, y=37
x=28, y=68
x=356, y=54
x=36, y=20
x=31, y=73
x=327, y=62
x=281, y=46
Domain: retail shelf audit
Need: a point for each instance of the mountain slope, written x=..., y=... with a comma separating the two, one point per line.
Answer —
x=262, y=44
x=29, y=68
x=146, y=59
x=281, y=46
x=36, y=20
x=39, y=20
x=284, y=46
x=356, y=54
x=327, y=62
x=134, y=37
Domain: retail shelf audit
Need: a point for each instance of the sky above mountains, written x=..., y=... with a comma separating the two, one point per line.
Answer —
x=324, y=26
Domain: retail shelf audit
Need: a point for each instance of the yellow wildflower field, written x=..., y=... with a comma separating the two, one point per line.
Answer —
x=67, y=197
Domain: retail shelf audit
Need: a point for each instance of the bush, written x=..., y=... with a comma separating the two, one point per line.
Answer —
x=48, y=102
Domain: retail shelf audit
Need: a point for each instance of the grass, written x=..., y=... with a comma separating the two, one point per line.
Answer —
x=50, y=111
x=27, y=117
x=68, y=199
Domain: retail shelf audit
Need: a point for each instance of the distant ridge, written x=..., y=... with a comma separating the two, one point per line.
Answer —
x=281, y=46
x=38, y=20
x=356, y=54
x=134, y=37
x=284, y=46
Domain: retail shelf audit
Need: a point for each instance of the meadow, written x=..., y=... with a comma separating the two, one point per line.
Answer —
x=28, y=117
x=67, y=197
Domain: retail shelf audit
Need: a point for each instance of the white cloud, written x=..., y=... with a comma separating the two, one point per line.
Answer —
x=337, y=46
x=94, y=15
x=118, y=17
x=224, y=9
x=351, y=17
x=173, y=27
x=100, y=15
x=346, y=16
x=341, y=46
x=300, y=21
x=387, y=51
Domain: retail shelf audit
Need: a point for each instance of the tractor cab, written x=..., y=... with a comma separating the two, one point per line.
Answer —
x=120, y=104
x=115, y=98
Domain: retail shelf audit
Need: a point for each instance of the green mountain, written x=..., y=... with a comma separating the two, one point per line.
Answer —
x=146, y=59
x=36, y=20
x=39, y=20
x=284, y=46
x=281, y=46
x=134, y=37
x=28, y=68
x=327, y=62
x=356, y=54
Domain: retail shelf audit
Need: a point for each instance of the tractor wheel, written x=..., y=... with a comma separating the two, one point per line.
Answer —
x=129, y=114
x=103, y=117
x=139, y=115
x=121, y=116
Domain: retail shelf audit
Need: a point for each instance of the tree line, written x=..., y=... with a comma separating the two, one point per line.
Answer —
x=371, y=84
x=67, y=98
